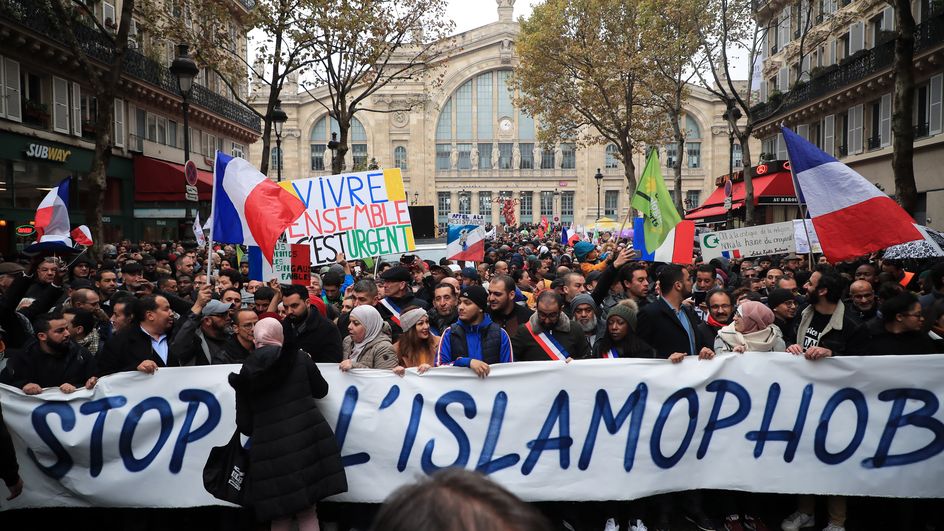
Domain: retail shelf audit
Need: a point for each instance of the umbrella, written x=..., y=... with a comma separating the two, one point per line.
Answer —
x=931, y=246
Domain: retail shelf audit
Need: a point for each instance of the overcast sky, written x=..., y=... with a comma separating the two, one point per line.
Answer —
x=468, y=14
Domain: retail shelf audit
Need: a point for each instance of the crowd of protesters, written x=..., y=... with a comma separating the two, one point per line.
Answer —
x=66, y=322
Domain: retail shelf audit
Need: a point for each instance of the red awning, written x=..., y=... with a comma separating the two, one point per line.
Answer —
x=776, y=184
x=157, y=180
x=711, y=211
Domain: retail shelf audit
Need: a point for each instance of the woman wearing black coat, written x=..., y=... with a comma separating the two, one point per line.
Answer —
x=294, y=459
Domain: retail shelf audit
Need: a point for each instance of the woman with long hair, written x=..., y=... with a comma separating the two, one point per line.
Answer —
x=417, y=345
x=292, y=443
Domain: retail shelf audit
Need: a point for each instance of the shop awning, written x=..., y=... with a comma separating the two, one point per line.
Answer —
x=778, y=184
x=160, y=181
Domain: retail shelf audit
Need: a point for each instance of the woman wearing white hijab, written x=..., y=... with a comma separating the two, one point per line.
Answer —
x=368, y=345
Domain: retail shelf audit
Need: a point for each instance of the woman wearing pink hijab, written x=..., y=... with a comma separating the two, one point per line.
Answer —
x=752, y=330
x=292, y=443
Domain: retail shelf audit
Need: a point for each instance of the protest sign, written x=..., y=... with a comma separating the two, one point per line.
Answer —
x=466, y=238
x=280, y=269
x=746, y=242
x=802, y=243
x=360, y=214
x=587, y=430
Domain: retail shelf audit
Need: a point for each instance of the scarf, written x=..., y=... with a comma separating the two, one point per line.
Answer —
x=714, y=324
x=370, y=318
x=760, y=341
x=268, y=331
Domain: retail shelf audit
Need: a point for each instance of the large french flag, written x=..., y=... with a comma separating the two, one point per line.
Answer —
x=851, y=216
x=678, y=247
x=466, y=242
x=52, y=215
x=248, y=208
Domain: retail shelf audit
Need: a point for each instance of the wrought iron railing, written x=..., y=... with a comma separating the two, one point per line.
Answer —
x=136, y=64
x=851, y=70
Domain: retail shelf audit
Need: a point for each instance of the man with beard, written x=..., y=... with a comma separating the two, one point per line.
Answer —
x=827, y=328
x=143, y=344
x=239, y=345
x=784, y=305
x=634, y=278
x=203, y=334
x=502, y=307
x=549, y=334
x=863, y=305
x=720, y=312
x=52, y=360
x=313, y=333
x=585, y=316
x=444, y=312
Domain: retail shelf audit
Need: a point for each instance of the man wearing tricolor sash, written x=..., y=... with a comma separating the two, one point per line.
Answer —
x=399, y=297
x=549, y=334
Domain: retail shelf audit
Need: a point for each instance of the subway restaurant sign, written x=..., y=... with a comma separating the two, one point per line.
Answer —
x=362, y=215
x=44, y=152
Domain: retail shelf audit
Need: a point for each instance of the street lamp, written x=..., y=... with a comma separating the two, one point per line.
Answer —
x=185, y=69
x=333, y=146
x=599, y=178
x=731, y=116
x=278, y=118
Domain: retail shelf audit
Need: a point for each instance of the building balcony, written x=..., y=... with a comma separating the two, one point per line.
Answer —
x=849, y=72
x=136, y=65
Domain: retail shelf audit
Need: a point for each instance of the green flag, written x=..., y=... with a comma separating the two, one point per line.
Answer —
x=655, y=203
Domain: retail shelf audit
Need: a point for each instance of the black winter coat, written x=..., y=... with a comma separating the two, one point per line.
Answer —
x=127, y=349
x=294, y=458
x=33, y=365
x=317, y=336
x=659, y=327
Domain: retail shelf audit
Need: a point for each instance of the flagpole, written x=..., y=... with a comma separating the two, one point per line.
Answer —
x=802, y=206
x=212, y=223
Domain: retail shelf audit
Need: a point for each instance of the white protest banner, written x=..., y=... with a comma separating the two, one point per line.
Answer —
x=360, y=214
x=746, y=242
x=587, y=430
x=466, y=237
x=802, y=243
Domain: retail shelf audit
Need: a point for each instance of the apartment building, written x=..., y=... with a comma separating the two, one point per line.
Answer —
x=46, y=106
x=828, y=72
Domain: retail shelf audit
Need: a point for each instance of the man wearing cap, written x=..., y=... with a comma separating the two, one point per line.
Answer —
x=502, y=307
x=549, y=334
x=132, y=277
x=9, y=271
x=398, y=295
x=474, y=341
x=469, y=276
x=791, y=263
x=203, y=334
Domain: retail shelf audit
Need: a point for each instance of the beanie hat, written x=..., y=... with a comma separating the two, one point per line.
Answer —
x=477, y=295
x=409, y=318
x=583, y=298
x=627, y=310
x=778, y=296
x=582, y=249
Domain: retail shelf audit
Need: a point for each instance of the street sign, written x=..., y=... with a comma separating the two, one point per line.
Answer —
x=25, y=231
x=190, y=172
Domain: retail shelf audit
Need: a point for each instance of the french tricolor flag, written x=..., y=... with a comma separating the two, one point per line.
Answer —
x=851, y=216
x=52, y=215
x=678, y=247
x=248, y=208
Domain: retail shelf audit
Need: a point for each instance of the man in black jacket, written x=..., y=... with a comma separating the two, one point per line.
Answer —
x=240, y=345
x=502, y=307
x=52, y=360
x=313, y=333
x=667, y=324
x=549, y=334
x=144, y=344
